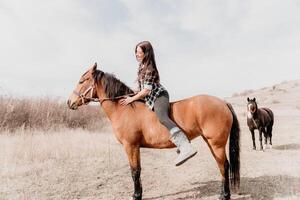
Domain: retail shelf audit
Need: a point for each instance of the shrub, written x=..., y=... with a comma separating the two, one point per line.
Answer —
x=47, y=114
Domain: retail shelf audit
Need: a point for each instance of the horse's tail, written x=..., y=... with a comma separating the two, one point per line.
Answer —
x=234, y=149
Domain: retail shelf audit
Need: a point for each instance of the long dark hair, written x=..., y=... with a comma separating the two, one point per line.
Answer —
x=148, y=60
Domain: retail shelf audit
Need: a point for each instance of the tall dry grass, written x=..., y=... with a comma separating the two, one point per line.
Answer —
x=64, y=164
x=47, y=114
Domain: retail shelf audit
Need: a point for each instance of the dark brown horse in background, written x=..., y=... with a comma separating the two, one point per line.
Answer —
x=135, y=126
x=261, y=119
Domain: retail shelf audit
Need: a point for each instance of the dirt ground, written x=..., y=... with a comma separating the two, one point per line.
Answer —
x=81, y=165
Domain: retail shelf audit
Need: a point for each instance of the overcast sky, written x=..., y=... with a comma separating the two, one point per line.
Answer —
x=216, y=47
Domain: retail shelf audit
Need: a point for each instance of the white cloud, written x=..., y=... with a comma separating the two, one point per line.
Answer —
x=211, y=46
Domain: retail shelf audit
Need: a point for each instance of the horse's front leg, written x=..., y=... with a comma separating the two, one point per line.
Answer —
x=133, y=154
x=260, y=138
x=253, y=138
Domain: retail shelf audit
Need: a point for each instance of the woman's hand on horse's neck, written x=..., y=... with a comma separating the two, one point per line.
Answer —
x=141, y=94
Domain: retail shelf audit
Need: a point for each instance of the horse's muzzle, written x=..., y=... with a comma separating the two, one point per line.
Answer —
x=72, y=106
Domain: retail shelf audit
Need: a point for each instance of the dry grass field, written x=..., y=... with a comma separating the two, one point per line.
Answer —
x=77, y=163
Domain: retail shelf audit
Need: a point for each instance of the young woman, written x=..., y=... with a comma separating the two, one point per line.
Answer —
x=157, y=98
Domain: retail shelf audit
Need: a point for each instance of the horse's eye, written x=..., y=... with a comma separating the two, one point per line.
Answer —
x=81, y=81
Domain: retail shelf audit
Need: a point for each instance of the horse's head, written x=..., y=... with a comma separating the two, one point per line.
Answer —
x=251, y=106
x=84, y=90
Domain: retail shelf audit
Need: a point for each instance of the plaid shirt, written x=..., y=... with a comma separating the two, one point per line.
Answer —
x=150, y=80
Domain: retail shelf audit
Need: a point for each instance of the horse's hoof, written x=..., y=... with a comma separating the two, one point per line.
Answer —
x=222, y=197
x=136, y=197
x=270, y=146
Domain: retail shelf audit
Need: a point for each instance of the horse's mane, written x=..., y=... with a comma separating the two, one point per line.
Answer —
x=113, y=87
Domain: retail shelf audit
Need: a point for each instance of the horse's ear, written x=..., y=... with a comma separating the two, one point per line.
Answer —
x=94, y=67
x=254, y=99
x=248, y=99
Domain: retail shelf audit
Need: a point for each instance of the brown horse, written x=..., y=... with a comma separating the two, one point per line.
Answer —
x=135, y=126
x=261, y=119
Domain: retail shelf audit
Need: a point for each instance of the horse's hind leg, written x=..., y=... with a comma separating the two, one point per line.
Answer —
x=225, y=191
x=265, y=131
x=133, y=154
x=270, y=129
x=219, y=154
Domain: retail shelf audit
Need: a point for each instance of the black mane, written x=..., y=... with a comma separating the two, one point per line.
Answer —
x=113, y=87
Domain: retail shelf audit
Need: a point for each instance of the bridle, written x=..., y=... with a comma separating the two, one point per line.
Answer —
x=253, y=117
x=84, y=97
x=101, y=100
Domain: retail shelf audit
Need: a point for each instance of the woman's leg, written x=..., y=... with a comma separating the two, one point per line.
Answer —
x=161, y=108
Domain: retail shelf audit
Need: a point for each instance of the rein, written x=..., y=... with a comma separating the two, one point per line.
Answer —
x=101, y=100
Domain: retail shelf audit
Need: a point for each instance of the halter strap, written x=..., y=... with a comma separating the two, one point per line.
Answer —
x=254, y=123
x=83, y=95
